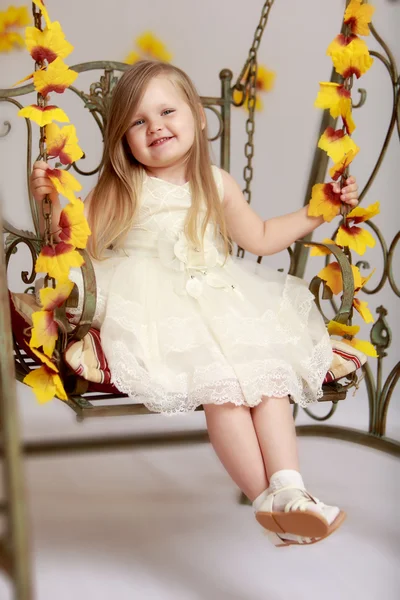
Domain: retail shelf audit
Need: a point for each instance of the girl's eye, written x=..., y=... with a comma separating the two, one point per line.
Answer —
x=138, y=122
x=168, y=111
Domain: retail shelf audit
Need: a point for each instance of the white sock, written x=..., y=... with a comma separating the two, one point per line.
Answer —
x=284, y=478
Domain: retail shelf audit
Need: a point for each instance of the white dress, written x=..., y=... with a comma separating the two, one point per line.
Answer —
x=182, y=327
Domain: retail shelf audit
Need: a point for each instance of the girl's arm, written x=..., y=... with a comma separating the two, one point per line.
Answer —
x=262, y=238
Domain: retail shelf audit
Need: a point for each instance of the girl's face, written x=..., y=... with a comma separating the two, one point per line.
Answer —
x=162, y=128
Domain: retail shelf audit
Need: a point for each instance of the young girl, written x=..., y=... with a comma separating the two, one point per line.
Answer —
x=182, y=323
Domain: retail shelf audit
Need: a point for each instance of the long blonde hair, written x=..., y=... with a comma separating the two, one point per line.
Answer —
x=114, y=201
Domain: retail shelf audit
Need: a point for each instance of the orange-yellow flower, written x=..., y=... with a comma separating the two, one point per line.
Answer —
x=358, y=15
x=339, y=168
x=52, y=298
x=336, y=144
x=353, y=236
x=362, y=308
x=43, y=116
x=63, y=142
x=335, y=328
x=47, y=44
x=264, y=83
x=56, y=78
x=359, y=214
x=350, y=55
x=65, y=183
x=57, y=261
x=45, y=380
x=337, y=99
x=324, y=202
x=74, y=226
x=153, y=47
x=132, y=57
x=44, y=331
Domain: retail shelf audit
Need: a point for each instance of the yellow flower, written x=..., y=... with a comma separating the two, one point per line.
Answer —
x=337, y=99
x=16, y=17
x=336, y=144
x=324, y=202
x=358, y=15
x=44, y=331
x=237, y=97
x=52, y=298
x=360, y=214
x=43, y=10
x=355, y=238
x=45, y=380
x=350, y=56
x=361, y=281
x=56, y=78
x=12, y=18
x=335, y=328
x=332, y=275
x=57, y=261
x=362, y=308
x=10, y=39
x=43, y=116
x=132, y=58
x=265, y=79
x=316, y=251
x=152, y=46
x=47, y=44
x=74, y=226
x=339, y=168
x=65, y=183
x=63, y=143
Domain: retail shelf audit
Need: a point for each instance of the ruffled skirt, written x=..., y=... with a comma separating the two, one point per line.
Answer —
x=234, y=333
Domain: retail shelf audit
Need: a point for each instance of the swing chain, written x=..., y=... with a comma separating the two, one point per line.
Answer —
x=249, y=85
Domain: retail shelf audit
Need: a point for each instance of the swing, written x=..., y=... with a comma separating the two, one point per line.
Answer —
x=100, y=398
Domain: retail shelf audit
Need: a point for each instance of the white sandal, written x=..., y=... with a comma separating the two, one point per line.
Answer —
x=279, y=541
x=297, y=518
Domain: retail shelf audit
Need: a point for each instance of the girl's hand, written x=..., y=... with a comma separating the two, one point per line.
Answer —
x=349, y=193
x=41, y=184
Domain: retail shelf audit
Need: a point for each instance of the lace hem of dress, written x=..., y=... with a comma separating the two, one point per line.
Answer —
x=264, y=379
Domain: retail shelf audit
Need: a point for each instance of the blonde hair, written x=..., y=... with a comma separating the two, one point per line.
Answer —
x=114, y=201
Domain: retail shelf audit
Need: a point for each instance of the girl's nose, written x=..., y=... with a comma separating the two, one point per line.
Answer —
x=154, y=126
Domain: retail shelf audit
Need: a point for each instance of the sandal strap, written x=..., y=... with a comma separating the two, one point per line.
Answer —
x=293, y=505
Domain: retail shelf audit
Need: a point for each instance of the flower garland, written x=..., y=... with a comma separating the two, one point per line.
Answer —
x=48, y=47
x=350, y=57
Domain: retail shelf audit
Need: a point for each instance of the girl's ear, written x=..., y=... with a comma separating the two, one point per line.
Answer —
x=203, y=119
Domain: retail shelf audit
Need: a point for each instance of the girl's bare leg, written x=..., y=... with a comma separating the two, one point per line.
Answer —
x=276, y=433
x=232, y=434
